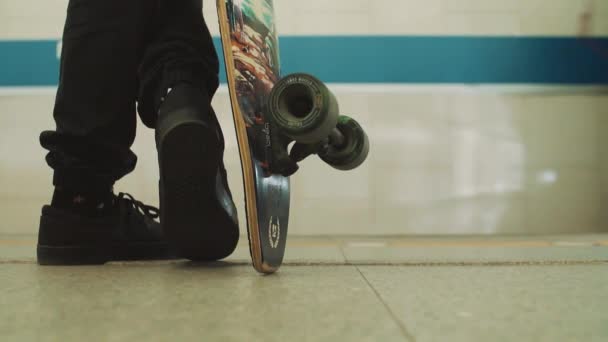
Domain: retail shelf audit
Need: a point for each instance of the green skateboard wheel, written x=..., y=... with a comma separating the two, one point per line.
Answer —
x=303, y=108
x=354, y=149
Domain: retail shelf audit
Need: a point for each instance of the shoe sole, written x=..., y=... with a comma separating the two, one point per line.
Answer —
x=98, y=247
x=99, y=255
x=191, y=218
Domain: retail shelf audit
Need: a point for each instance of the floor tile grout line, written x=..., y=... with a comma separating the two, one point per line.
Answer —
x=393, y=315
x=590, y=262
x=341, y=249
x=400, y=324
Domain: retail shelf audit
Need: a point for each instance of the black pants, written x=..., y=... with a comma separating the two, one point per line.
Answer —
x=118, y=54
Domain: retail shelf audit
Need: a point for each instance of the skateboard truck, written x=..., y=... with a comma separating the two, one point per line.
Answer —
x=303, y=110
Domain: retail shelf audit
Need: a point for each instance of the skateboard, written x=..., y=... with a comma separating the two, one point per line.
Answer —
x=279, y=121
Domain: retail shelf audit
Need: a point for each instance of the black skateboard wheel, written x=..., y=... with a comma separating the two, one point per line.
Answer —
x=353, y=151
x=303, y=108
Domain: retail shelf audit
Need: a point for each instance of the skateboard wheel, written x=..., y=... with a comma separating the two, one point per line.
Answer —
x=303, y=108
x=353, y=151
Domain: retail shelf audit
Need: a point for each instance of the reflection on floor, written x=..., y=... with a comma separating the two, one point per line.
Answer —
x=542, y=288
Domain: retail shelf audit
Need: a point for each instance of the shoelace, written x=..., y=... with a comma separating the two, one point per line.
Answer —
x=142, y=208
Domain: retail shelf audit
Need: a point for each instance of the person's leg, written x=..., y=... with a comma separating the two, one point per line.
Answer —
x=179, y=76
x=89, y=150
x=95, y=104
x=181, y=51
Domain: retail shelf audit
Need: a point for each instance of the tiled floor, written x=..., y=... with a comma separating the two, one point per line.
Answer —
x=544, y=288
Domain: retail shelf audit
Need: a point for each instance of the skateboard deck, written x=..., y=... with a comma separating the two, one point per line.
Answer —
x=251, y=54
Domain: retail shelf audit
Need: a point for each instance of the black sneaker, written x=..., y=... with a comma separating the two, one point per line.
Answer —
x=198, y=214
x=127, y=231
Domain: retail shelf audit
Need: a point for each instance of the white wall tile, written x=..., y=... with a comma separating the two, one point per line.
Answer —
x=23, y=171
x=600, y=25
x=570, y=202
x=601, y=106
x=462, y=162
x=488, y=23
x=501, y=213
x=560, y=130
x=482, y=5
x=550, y=23
x=29, y=19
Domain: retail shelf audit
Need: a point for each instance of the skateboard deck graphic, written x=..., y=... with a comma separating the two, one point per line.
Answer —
x=250, y=47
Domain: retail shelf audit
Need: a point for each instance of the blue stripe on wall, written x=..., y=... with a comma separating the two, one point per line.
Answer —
x=450, y=59
x=384, y=59
x=28, y=63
